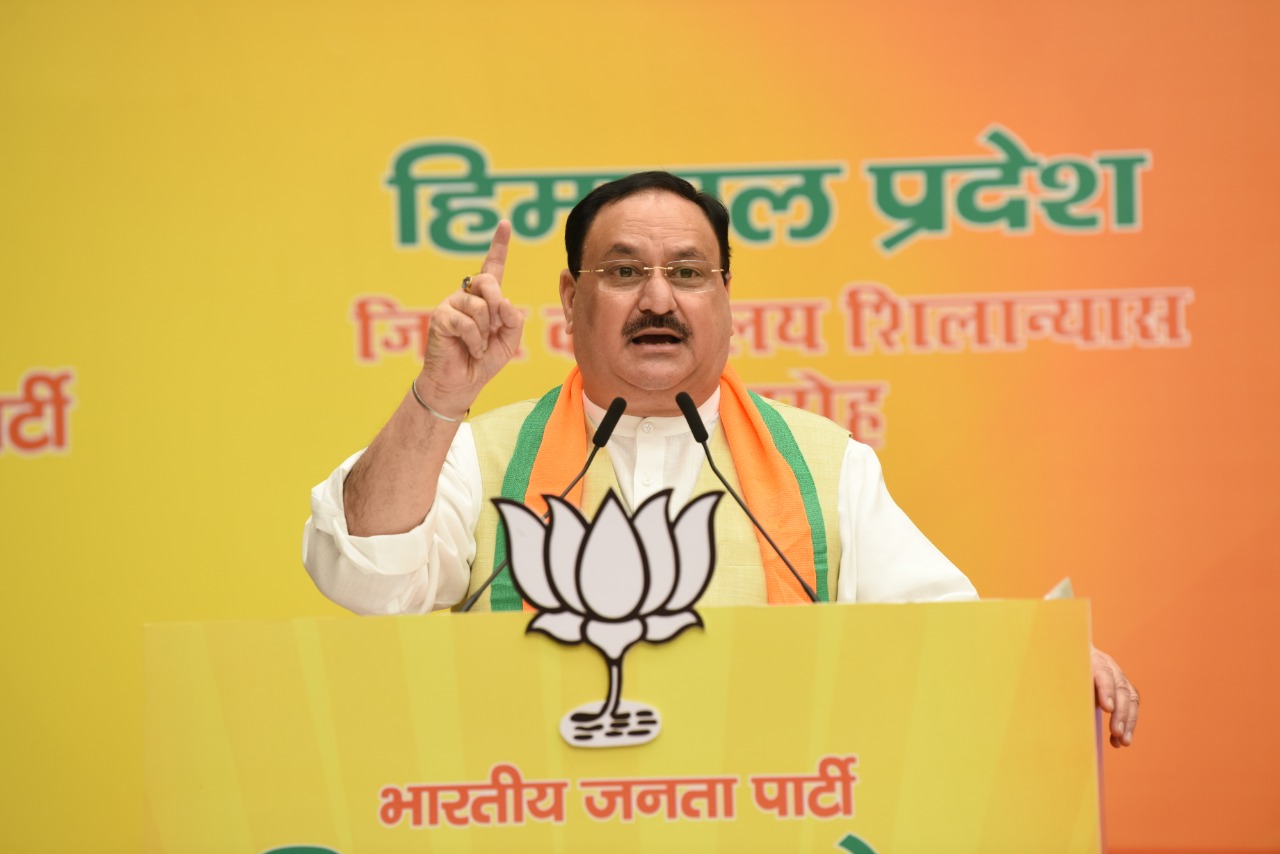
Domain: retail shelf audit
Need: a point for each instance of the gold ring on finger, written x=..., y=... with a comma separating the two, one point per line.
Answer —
x=466, y=284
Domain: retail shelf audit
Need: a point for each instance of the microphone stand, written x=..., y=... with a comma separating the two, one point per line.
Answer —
x=701, y=436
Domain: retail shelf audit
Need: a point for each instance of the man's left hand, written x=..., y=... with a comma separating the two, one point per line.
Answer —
x=1116, y=695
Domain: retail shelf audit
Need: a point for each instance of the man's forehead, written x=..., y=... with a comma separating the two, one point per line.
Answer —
x=678, y=249
x=633, y=222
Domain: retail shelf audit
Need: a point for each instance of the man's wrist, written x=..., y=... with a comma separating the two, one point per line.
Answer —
x=413, y=386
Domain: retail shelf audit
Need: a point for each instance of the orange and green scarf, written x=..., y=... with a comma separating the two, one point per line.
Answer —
x=771, y=470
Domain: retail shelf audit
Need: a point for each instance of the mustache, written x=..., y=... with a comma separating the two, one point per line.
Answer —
x=656, y=321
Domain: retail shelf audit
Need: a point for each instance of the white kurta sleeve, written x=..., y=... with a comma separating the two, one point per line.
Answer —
x=884, y=557
x=410, y=573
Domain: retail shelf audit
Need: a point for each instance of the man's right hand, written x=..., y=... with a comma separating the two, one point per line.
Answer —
x=473, y=334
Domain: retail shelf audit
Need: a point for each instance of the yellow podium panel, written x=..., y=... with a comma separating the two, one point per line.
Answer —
x=858, y=728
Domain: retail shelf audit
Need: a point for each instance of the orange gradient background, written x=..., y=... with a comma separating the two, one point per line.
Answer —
x=194, y=196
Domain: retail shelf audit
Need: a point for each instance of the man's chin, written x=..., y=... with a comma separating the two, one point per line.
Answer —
x=666, y=381
x=657, y=367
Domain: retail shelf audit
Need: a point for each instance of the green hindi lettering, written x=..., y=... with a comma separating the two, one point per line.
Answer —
x=998, y=176
x=1124, y=168
x=1074, y=182
x=924, y=211
x=766, y=197
x=462, y=200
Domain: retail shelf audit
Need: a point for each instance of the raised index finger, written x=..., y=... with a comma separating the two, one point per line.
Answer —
x=496, y=259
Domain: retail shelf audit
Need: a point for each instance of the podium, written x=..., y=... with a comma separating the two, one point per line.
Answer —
x=948, y=727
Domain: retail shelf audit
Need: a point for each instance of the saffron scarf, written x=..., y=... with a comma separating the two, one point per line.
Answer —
x=773, y=474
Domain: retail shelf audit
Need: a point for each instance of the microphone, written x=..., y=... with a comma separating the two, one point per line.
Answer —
x=601, y=437
x=700, y=436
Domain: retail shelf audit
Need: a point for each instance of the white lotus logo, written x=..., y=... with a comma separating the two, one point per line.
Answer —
x=612, y=582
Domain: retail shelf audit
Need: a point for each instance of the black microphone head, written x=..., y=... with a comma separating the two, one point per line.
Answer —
x=691, y=415
x=610, y=420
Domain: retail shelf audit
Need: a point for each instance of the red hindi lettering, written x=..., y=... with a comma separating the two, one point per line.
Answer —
x=609, y=797
x=657, y=796
x=502, y=801
x=748, y=319
x=384, y=327
x=715, y=794
x=455, y=802
x=831, y=791
x=800, y=326
x=781, y=794
x=37, y=420
x=545, y=800
x=872, y=310
x=397, y=801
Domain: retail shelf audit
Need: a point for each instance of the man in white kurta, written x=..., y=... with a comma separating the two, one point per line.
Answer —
x=646, y=301
x=884, y=557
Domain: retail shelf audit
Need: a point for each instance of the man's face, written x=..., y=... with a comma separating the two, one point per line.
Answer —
x=619, y=350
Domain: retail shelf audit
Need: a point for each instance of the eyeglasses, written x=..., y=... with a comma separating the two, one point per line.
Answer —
x=686, y=277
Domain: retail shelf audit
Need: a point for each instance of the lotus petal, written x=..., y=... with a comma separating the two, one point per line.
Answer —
x=696, y=545
x=663, y=627
x=611, y=571
x=564, y=546
x=651, y=523
x=564, y=626
x=613, y=639
x=525, y=538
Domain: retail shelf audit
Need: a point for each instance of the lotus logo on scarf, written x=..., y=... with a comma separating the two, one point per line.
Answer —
x=611, y=582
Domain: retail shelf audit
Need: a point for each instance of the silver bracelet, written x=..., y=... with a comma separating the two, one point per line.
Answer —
x=414, y=386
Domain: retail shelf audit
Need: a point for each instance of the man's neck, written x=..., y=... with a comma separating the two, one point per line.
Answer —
x=709, y=409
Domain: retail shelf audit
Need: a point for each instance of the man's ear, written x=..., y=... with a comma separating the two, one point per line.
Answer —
x=728, y=277
x=568, y=290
